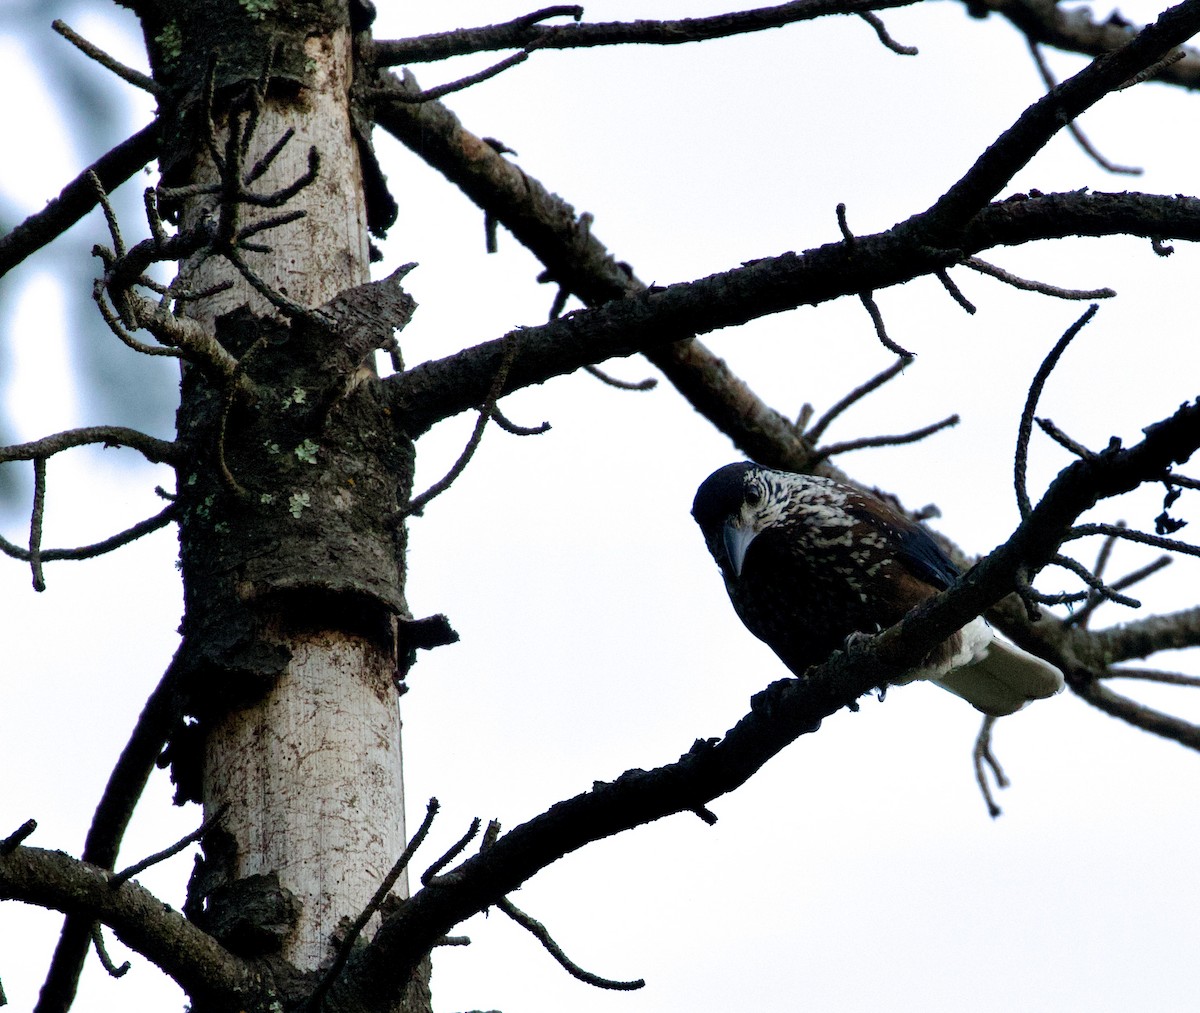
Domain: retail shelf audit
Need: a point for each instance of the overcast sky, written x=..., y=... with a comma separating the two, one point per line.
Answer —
x=859, y=870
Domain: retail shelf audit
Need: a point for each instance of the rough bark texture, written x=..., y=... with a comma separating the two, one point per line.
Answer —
x=293, y=576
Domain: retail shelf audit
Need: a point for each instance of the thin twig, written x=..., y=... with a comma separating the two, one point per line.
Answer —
x=983, y=755
x=1080, y=616
x=430, y=94
x=648, y=384
x=856, y=395
x=505, y=423
x=523, y=32
x=540, y=933
x=1152, y=675
x=1026, y=285
x=833, y=449
x=1025, y=429
x=127, y=74
x=873, y=19
x=35, y=523
x=456, y=849
x=1051, y=82
x=1062, y=439
x=843, y=225
x=14, y=840
x=329, y=979
x=1154, y=69
x=231, y=388
x=1094, y=598
x=101, y=952
x=78, y=197
x=131, y=534
x=1133, y=535
x=161, y=856
x=418, y=503
x=956, y=294
x=1095, y=583
x=154, y=450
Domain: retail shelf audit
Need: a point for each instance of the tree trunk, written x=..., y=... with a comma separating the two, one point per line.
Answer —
x=293, y=574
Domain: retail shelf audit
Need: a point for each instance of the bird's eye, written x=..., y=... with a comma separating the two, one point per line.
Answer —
x=754, y=497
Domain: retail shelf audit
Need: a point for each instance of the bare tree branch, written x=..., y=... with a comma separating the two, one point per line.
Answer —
x=1139, y=715
x=526, y=33
x=54, y=880
x=1073, y=128
x=127, y=74
x=163, y=710
x=1088, y=294
x=1144, y=637
x=1036, y=125
x=542, y=935
x=151, y=448
x=781, y=713
x=79, y=552
x=657, y=322
x=1074, y=30
x=78, y=197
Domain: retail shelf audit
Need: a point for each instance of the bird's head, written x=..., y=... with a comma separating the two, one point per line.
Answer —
x=735, y=504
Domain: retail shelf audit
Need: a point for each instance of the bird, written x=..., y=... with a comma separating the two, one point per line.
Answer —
x=811, y=563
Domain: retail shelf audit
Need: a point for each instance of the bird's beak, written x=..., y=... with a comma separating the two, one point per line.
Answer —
x=737, y=537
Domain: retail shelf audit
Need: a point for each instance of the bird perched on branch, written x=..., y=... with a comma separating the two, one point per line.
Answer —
x=809, y=562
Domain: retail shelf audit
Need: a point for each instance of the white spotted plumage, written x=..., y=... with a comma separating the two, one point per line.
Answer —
x=809, y=562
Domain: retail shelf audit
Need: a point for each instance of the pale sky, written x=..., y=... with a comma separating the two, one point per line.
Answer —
x=859, y=870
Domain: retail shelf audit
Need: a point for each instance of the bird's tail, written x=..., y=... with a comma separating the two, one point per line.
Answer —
x=1003, y=680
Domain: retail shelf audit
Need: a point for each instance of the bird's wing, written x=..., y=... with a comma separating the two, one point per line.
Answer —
x=913, y=546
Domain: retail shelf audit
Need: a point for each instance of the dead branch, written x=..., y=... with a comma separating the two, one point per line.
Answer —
x=648, y=384
x=982, y=755
x=1013, y=149
x=881, y=32
x=1133, y=535
x=1139, y=715
x=121, y=538
x=54, y=880
x=152, y=449
x=549, y=227
x=431, y=94
x=162, y=712
x=456, y=849
x=872, y=308
x=834, y=449
x=1025, y=285
x=1025, y=429
x=781, y=713
x=955, y=292
x=542, y=935
x=89, y=49
x=1153, y=675
x=1081, y=615
x=17, y=837
x=161, y=856
x=78, y=197
x=1144, y=637
x=1073, y=128
x=526, y=32
x=580, y=263
x=857, y=394
x=1048, y=427
x=35, y=523
x=1075, y=30
x=102, y=952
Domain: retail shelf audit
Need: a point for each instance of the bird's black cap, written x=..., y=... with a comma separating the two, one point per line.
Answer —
x=720, y=495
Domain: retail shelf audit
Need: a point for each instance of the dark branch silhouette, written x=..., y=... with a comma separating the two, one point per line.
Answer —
x=527, y=32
